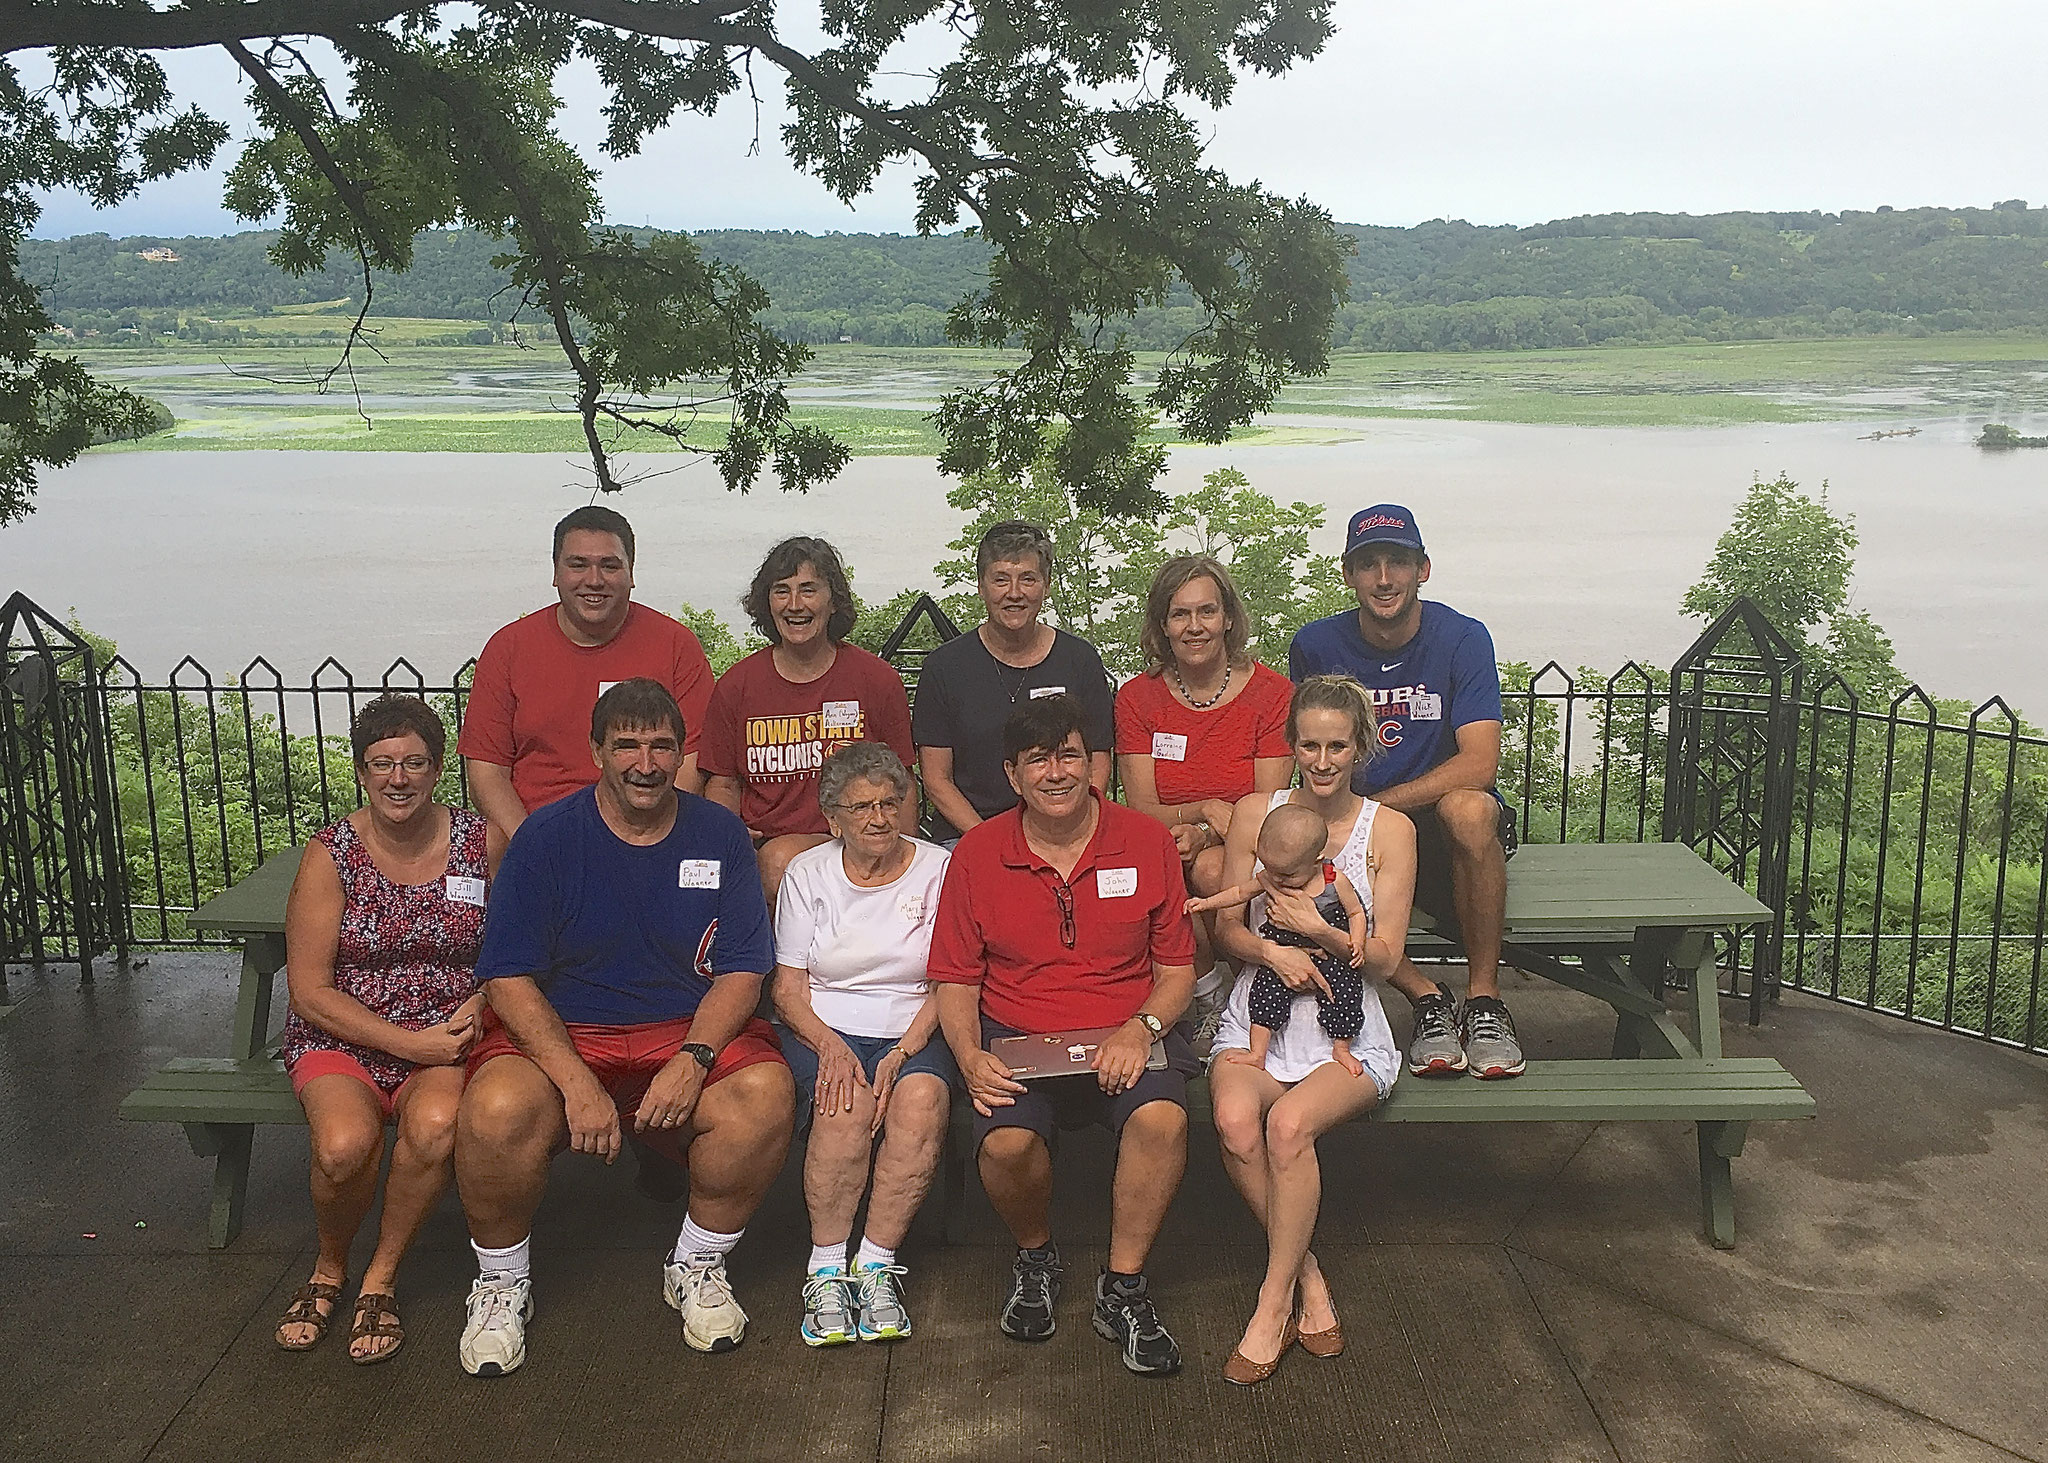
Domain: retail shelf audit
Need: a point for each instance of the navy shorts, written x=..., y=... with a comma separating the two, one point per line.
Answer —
x=1080, y=1102
x=1433, y=893
x=936, y=1058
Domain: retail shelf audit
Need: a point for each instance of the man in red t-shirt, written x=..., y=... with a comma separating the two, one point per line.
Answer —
x=1062, y=914
x=779, y=713
x=526, y=730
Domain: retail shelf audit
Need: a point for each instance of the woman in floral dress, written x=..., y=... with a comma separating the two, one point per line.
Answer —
x=381, y=939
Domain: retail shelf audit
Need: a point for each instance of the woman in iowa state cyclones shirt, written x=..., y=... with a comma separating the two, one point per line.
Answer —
x=776, y=716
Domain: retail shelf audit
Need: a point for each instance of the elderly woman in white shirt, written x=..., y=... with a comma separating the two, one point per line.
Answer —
x=853, y=928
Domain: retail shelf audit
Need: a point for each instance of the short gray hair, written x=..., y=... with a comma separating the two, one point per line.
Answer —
x=856, y=761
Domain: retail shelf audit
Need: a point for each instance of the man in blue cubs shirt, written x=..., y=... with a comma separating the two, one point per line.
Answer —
x=624, y=950
x=1436, y=698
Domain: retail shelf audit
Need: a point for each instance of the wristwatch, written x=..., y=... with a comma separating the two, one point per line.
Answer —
x=1153, y=1024
x=705, y=1055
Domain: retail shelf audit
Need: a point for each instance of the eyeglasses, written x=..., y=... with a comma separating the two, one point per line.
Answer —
x=1063, y=892
x=385, y=766
x=862, y=811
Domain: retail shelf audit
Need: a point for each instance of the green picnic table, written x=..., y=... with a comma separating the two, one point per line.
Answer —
x=1618, y=921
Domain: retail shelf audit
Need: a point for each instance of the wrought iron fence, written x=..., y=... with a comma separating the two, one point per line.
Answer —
x=1912, y=836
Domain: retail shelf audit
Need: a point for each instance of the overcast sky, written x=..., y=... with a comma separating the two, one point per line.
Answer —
x=1497, y=111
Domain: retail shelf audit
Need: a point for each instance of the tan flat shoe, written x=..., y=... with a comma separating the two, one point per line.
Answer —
x=1248, y=1373
x=1324, y=1344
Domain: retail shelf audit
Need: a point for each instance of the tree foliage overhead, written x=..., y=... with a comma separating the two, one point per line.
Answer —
x=1056, y=133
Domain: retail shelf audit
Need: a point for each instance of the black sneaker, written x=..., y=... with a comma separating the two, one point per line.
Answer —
x=1034, y=1286
x=1127, y=1318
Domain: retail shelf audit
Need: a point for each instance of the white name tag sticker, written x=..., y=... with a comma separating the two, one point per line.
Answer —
x=604, y=686
x=1426, y=706
x=698, y=873
x=1115, y=883
x=842, y=715
x=911, y=907
x=464, y=890
x=1169, y=747
x=1038, y=691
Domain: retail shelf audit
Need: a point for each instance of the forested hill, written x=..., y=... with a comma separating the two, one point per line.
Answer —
x=1614, y=278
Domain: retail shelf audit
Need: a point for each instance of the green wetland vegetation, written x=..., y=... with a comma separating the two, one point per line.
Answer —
x=264, y=391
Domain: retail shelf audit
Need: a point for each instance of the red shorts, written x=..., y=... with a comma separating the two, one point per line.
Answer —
x=625, y=1058
x=323, y=1063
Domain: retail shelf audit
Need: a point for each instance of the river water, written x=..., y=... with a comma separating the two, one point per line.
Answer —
x=1573, y=543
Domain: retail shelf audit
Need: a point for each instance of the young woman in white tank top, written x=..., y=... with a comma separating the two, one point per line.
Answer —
x=1302, y=1091
x=1301, y=1046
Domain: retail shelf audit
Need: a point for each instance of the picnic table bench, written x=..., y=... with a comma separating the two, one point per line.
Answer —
x=1611, y=920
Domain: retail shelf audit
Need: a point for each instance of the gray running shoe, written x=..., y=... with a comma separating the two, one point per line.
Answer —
x=1490, y=1046
x=1435, y=1050
x=883, y=1316
x=1127, y=1318
x=1208, y=1015
x=828, y=1310
x=1034, y=1287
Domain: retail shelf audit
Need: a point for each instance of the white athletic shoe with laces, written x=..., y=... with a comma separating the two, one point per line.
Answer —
x=494, y=1341
x=698, y=1290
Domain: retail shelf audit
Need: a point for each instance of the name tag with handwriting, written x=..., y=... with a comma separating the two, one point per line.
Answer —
x=698, y=873
x=1169, y=747
x=1115, y=883
x=465, y=890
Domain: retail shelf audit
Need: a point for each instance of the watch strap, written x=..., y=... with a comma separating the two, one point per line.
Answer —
x=706, y=1057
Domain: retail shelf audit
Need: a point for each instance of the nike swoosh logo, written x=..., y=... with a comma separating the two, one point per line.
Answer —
x=1394, y=667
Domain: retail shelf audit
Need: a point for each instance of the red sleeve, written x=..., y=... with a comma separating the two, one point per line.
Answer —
x=690, y=683
x=892, y=713
x=487, y=719
x=1134, y=716
x=1173, y=933
x=1271, y=737
x=959, y=954
x=718, y=750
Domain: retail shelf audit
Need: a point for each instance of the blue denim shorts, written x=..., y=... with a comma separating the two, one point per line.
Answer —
x=936, y=1058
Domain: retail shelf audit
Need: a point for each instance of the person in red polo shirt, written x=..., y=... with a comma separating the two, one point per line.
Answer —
x=526, y=731
x=1061, y=914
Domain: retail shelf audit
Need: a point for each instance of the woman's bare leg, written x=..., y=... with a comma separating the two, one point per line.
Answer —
x=1319, y=1102
x=913, y=1134
x=345, y=1126
x=836, y=1168
x=422, y=1163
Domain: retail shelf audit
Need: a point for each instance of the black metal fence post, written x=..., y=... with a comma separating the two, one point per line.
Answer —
x=1728, y=770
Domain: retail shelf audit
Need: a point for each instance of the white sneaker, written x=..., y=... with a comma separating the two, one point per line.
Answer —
x=494, y=1341
x=697, y=1288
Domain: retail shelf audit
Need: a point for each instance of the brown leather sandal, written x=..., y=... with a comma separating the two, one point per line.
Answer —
x=305, y=1311
x=371, y=1311
x=1245, y=1372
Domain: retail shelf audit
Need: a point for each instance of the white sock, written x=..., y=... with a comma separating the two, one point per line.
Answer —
x=871, y=1253
x=511, y=1263
x=828, y=1259
x=1211, y=981
x=698, y=1242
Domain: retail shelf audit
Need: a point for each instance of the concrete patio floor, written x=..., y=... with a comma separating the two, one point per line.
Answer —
x=1525, y=1292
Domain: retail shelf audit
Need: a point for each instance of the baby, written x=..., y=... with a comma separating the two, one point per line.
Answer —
x=1291, y=857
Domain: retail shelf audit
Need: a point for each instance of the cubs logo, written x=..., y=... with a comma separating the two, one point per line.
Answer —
x=704, y=950
x=1390, y=732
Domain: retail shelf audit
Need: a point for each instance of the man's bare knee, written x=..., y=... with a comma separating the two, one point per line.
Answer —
x=502, y=1111
x=1157, y=1124
x=1011, y=1147
x=759, y=1098
x=1471, y=819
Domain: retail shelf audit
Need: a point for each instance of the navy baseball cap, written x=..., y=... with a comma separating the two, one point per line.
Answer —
x=1383, y=523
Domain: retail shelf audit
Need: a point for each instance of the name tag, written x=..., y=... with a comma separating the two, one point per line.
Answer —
x=465, y=891
x=698, y=873
x=911, y=907
x=1167, y=747
x=1115, y=883
x=1038, y=691
x=842, y=715
x=1426, y=706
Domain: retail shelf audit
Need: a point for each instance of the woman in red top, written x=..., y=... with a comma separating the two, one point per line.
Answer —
x=1204, y=726
x=775, y=717
x=381, y=937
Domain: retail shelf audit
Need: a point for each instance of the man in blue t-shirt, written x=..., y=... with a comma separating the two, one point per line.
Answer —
x=1436, y=700
x=624, y=951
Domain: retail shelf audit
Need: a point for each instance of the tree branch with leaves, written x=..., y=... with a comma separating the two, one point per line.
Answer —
x=1058, y=134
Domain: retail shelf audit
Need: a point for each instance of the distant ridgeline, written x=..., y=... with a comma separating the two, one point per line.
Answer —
x=1643, y=278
